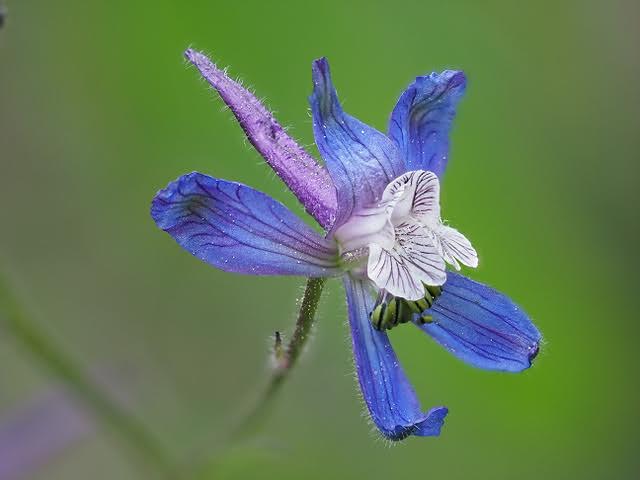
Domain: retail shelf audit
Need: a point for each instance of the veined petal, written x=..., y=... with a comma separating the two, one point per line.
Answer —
x=238, y=229
x=360, y=160
x=414, y=194
x=413, y=260
x=415, y=197
x=482, y=326
x=421, y=121
x=454, y=247
x=308, y=180
x=392, y=402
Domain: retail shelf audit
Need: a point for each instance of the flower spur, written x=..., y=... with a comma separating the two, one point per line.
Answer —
x=378, y=199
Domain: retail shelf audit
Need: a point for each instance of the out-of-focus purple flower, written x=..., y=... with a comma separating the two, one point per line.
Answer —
x=38, y=432
x=379, y=200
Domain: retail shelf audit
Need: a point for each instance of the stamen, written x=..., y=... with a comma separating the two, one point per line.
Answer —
x=390, y=311
x=430, y=295
x=434, y=290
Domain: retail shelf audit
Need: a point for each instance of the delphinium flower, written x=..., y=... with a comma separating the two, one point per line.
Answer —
x=378, y=198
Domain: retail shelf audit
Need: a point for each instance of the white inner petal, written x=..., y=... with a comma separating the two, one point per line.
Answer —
x=413, y=260
x=422, y=242
x=454, y=247
x=415, y=194
x=407, y=242
x=370, y=225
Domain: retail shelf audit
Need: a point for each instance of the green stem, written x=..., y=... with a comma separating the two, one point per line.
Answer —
x=286, y=358
x=63, y=367
x=304, y=322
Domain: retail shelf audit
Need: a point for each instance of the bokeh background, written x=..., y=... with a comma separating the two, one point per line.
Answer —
x=98, y=110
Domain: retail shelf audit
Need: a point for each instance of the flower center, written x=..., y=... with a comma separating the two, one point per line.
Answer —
x=368, y=226
x=403, y=240
x=390, y=311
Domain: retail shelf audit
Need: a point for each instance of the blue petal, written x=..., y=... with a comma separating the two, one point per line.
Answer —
x=422, y=118
x=238, y=229
x=360, y=160
x=481, y=326
x=391, y=400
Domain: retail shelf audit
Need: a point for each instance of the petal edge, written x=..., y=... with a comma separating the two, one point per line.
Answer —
x=360, y=159
x=482, y=326
x=422, y=118
x=238, y=229
x=392, y=403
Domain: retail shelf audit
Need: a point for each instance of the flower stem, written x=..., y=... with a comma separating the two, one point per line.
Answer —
x=43, y=350
x=287, y=361
x=202, y=464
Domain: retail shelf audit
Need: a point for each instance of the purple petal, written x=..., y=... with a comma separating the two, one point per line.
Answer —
x=361, y=160
x=392, y=402
x=482, y=326
x=308, y=180
x=421, y=121
x=238, y=229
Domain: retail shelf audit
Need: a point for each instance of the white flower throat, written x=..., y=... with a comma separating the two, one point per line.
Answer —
x=407, y=242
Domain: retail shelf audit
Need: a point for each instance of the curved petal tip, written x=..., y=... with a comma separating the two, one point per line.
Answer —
x=432, y=424
x=429, y=425
x=534, y=350
x=321, y=64
x=482, y=326
x=192, y=55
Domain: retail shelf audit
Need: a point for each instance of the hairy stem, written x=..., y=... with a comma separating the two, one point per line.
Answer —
x=287, y=361
x=202, y=464
x=48, y=355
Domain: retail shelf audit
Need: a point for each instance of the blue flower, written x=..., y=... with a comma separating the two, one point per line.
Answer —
x=378, y=198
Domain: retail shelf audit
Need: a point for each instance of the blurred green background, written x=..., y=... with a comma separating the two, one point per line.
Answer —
x=98, y=110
